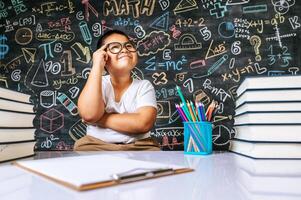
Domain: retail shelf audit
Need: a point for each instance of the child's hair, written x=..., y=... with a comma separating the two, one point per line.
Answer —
x=107, y=34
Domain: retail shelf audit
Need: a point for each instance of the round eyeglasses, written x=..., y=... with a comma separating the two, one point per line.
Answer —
x=116, y=47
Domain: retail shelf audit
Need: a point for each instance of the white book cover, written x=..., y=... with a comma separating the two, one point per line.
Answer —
x=268, y=118
x=14, y=95
x=266, y=149
x=16, y=119
x=269, y=82
x=269, y=95
x=268, y=106
x=16, y=106
x=271, y=133
x=16, y=134
x=16, y=150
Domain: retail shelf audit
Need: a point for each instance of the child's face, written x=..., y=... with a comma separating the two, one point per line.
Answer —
x=121, y=59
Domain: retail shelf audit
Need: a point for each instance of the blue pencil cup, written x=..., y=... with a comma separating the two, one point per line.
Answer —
x=198, y=138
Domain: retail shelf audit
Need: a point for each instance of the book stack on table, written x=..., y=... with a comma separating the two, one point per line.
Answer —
x=268, y=118
x=17, y=138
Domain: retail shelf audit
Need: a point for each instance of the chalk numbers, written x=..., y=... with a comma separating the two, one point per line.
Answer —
x=190, y=22
x=205, y=33
x=139, y=31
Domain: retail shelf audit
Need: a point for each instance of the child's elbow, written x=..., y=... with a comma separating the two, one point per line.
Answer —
x=91, y=118
x=146, y=126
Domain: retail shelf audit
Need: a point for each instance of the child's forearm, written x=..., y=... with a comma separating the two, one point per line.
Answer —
x=90, y=102
x=129, y=123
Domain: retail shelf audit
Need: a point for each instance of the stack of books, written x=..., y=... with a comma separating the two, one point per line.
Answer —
x=268, y=118
x=16, y=125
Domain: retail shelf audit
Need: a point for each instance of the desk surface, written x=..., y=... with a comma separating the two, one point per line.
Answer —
x=217, y=176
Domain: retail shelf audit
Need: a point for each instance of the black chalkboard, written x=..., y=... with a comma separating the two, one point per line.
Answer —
x=206, y=47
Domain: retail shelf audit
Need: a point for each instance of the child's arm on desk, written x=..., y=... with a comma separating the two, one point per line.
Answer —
x=130, y=123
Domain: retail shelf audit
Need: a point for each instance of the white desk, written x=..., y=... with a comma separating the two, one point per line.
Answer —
x=218, y=176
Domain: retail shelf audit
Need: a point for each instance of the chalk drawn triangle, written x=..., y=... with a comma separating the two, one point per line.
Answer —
x=161, y=23
x=185, y=5
x=211, y=51
x=40, y=78
x=29, y=54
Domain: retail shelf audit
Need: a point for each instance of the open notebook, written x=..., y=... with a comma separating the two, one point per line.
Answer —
x=96, y=171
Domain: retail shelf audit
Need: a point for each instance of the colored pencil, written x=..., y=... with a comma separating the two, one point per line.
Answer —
x=182, y=97
x=186, y=112
x=210, y=110
x=182, y=115
x=194, y=113
x=190, y=112
x=201, y=111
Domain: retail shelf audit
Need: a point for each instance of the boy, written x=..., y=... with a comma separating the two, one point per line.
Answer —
x=119, y=110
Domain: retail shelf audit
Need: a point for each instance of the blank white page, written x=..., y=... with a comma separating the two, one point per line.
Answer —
x=82, y=170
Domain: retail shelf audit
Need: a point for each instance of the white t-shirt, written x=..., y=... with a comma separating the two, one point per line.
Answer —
x=140, y=93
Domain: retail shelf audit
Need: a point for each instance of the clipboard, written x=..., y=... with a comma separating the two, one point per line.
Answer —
x=97, y=171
